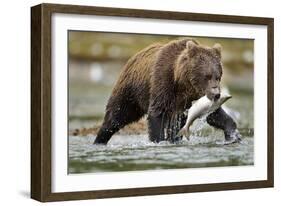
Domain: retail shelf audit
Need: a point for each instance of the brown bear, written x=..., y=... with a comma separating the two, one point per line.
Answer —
x=161, y=81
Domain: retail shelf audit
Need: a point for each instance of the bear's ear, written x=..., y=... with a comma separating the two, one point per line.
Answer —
x=191, y=48
x=217, y=48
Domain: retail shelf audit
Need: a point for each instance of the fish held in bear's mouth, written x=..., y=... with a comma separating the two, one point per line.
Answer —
x=201, y=107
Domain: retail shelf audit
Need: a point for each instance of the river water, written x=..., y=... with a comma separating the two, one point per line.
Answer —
x=136, y=152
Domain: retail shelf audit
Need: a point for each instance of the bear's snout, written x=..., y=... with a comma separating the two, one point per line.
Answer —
x=213, y=94
x=217, y=96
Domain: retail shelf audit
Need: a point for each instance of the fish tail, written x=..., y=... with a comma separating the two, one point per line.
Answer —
x=180, y=133
x=184, y=132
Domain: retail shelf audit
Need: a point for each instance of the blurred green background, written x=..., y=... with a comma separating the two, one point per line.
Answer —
x=96, y=59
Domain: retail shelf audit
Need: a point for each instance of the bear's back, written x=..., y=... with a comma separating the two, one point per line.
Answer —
x=146, y=68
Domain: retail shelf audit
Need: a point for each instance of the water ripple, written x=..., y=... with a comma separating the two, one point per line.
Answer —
x=136, y=152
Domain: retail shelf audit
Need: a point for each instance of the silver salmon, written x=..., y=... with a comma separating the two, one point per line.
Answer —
x=201, y=107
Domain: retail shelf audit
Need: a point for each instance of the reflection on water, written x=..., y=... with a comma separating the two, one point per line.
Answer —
x=135, y=152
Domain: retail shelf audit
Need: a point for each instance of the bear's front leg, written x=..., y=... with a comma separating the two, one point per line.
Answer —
x=174, y=124
x=156, y=127
x=221, y=120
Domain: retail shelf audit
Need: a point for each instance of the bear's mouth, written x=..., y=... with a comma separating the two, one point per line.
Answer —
x=213, y=97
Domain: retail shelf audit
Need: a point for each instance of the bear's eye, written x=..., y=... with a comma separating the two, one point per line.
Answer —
x=208, y=77
x=218, y=78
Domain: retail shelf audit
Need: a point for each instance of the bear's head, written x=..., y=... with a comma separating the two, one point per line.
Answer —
x=200, y=67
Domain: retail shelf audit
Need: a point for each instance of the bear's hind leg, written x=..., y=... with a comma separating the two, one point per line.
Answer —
x=116, y=118
x=105, y=133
